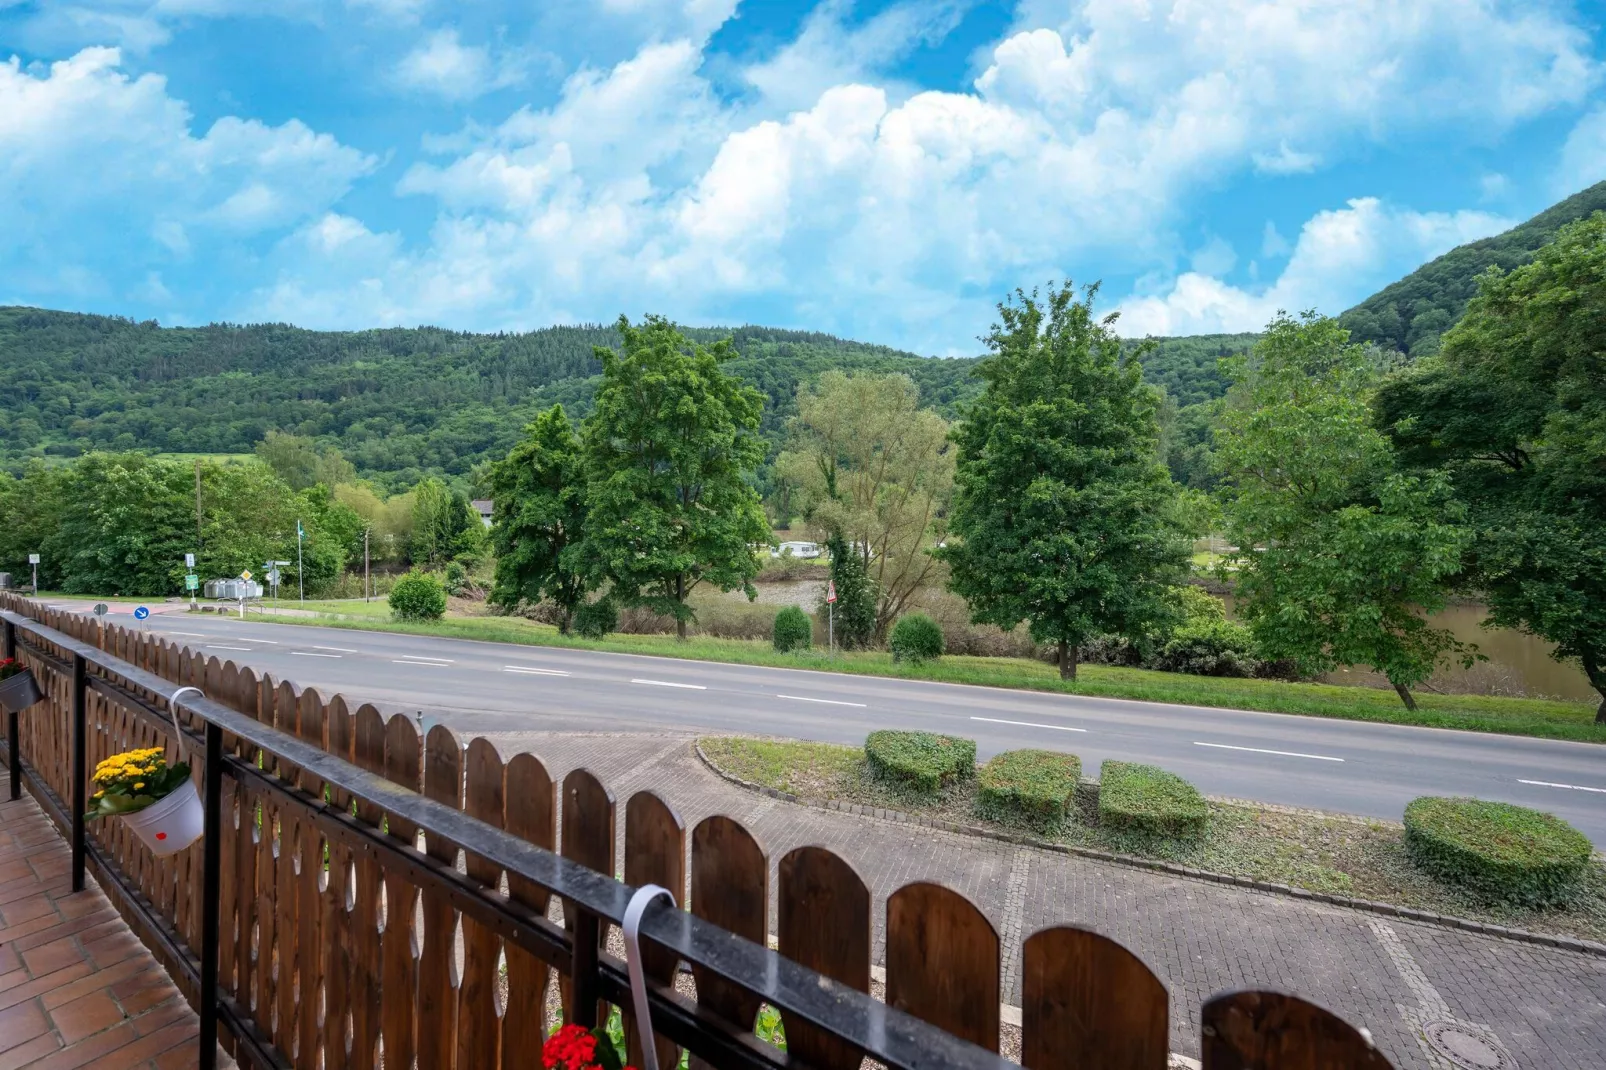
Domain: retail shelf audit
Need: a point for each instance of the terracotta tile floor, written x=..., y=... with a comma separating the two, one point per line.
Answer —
x=77, y=989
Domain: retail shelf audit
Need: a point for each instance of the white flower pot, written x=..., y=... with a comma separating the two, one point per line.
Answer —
x=170, y=824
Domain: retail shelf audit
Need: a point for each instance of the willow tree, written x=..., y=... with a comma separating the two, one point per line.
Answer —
x=1064, y=517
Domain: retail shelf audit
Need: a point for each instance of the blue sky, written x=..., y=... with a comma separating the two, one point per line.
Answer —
x=883, y=169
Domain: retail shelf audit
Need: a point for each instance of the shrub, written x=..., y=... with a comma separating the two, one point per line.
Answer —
x=920, y=760
x=593, y=620
x=1031, y=787
x=1495, y=850
x=916, y=638
x=793, y=630
x=1142, y=798
x=1207, y=648
x=418, y=596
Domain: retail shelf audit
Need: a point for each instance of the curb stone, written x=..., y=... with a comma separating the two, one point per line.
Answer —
x=1447, y=921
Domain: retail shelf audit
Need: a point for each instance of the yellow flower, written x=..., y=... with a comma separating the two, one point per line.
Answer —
x=98, y=794
x=140, y=785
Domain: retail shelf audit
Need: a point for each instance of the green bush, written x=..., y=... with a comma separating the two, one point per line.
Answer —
x=793, y=631
x=916, y=638
x=418, y=596
x=593, y=620
x=923, y=761
x=1031, y=787
x=1497, y=851
x=1145, y=799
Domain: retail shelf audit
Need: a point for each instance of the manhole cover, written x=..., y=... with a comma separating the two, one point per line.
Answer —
x=1467, y=1046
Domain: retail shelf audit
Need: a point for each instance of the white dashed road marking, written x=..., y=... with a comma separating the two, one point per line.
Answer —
x=826, y=701
x=214, y=646
x=310, y=654
x=668, y=683
x=534, y=671
x=248, y=639
x=336, y=649
x=1030, y=724
x=420, y=664
x=1262, y=750
x=433, y=661
x=1570, y=787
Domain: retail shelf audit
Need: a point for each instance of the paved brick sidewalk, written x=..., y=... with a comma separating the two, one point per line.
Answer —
x=1545, y=1007
x=77, y=989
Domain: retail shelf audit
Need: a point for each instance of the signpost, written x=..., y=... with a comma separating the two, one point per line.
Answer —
x=191, y=581
x=141, y=613
x=301, y=584
x=33, y=559
x=246, y=576
x=100, y=609
x=830, y=617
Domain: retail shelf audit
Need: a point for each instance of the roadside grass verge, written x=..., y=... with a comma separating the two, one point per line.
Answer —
x=1331, y=853
x=1479, y=713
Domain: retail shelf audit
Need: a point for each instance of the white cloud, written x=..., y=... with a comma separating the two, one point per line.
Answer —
x=102, y=171
x=1341, y=257
x=1285, y=161
x=446, y=67
x=1583, y=158
x=1272, y=242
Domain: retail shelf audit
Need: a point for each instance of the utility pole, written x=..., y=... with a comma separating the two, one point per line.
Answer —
x=367, y=595
x=197, y=505
x=301, y=579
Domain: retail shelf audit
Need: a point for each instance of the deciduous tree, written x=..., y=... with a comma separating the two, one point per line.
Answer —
x=669, y=451
x=1341, y=557
x=1064, y=516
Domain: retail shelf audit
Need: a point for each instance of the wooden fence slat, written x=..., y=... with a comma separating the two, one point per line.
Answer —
x=479, y=1030
x=366, y=952
x=437, y=999
x=286, y=903
x=531, y=813
x=398, y=996
x=942, y=962
x=309, y=892
x=655, y=853
x=823, y=922
x=337, y=921
x=1272, y=1031
x=1088, y=1001
x=588, y=838
x=730, y=883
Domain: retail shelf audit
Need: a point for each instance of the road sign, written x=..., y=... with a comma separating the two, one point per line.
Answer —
x=100, y=609
x=191, y=582
x=246, y=575
x=140, y=613
x=33, y=559
x=189, y=560
x=830, y=591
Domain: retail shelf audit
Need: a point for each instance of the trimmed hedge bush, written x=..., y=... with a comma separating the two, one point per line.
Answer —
x=593, y=620
x=792, y=631
x=1143, y=798
x=1495, y=850
x=916, y=638
x=418, y=596
x=1032, y=787
x=920, y=760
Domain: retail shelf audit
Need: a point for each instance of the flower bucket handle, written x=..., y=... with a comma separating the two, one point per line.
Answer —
x=172, y=709
x=639, y=902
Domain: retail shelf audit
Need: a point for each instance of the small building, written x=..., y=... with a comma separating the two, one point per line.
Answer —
x=483, y=506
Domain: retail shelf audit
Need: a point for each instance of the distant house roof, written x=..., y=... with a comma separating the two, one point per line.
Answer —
x=483, y=505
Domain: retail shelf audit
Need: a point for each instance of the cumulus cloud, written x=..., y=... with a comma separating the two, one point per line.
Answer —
x=1341, y=256
x=103, y=171
x=446, y=67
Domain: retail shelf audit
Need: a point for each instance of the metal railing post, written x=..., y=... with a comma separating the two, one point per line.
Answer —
x=587, y=936
x=80, y=776
x=13, y=734
x=211, y=892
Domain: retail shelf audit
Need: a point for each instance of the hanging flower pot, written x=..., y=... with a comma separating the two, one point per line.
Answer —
x=159, y=802
x=18, y=688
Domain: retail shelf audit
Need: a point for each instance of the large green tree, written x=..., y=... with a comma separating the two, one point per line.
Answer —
x=540, y=495
x=1514, y=412
x=1064, y=516
x=669, y=451
x=1341, y=556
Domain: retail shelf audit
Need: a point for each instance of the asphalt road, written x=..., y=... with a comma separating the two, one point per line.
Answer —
x=1348, y=766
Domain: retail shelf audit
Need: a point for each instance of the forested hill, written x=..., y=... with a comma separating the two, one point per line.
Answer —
x=1411, y=314
x=399, y=403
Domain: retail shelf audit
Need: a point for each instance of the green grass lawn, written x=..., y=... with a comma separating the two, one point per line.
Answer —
x=1526, y=717
x=1331, y=853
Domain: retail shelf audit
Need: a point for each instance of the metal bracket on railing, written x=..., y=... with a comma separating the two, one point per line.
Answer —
x=172, y=709
x=639, y=902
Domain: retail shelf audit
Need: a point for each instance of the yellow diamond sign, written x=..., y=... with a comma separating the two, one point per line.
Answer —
x=246, y=575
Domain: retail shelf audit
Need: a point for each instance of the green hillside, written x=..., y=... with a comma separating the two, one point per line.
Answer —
x=1411, y=314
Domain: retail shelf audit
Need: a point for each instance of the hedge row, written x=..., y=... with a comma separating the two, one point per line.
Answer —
x=1495, y=850
x=1031, y=787
x=1146, y=799
x=923, y=761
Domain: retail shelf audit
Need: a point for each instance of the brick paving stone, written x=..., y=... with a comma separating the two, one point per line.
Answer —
x=1545, y=1006
x=77, y=989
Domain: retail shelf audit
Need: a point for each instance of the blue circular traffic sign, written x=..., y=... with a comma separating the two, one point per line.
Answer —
x=141, y=613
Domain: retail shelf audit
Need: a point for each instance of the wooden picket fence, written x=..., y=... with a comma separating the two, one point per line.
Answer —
x=336, y=951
